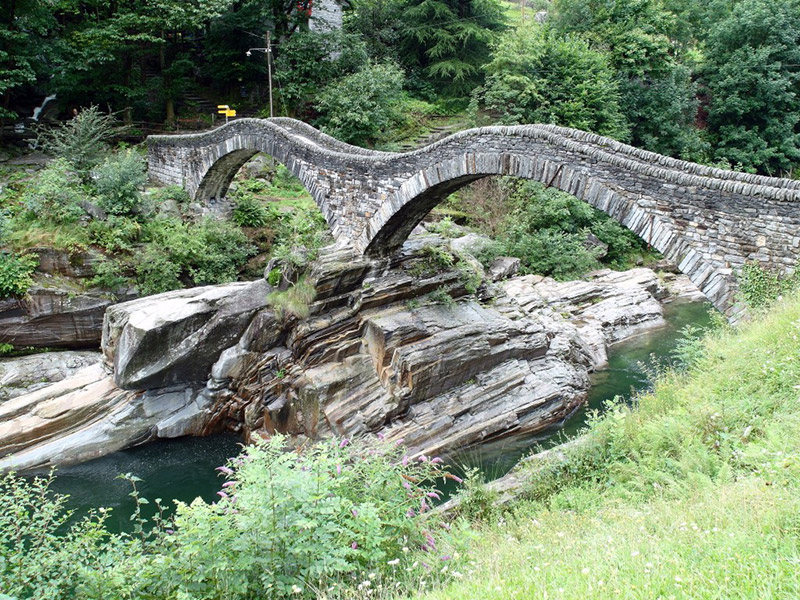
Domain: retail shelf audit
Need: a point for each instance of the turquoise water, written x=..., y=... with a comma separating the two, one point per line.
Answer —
x=183, y=469
x=179, y=469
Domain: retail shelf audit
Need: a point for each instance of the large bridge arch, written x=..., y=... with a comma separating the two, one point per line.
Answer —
x=708, y=221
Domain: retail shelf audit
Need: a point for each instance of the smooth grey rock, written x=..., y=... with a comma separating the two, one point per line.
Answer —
x=503, y=267
x=24, y=374
x=86, y=416
x=175, y=337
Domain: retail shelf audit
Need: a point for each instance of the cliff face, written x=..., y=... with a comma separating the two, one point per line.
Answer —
x=394, y=346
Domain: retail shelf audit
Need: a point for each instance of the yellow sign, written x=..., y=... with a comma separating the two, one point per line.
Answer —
x=229, y=113
x=225, y=106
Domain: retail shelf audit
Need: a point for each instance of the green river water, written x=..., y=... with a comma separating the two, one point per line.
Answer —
x=183, y=469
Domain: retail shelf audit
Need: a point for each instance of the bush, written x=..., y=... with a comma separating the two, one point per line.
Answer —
x=211, y=251
x=250, y=212
x=118, y=181
x=759, y=287
x=56, y=195
x=115, y=234
x=15, y=273
x=358, y=107
x=287, y=525
x=81, y=141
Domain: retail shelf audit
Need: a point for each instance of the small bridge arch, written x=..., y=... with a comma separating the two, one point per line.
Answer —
x=706, y=220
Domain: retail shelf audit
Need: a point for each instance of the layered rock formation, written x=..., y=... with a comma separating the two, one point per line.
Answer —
x=396, y=346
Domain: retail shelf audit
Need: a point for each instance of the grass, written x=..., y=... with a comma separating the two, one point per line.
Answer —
x=694, y=493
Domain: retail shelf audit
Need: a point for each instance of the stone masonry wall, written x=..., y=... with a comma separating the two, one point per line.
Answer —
x=707, y=220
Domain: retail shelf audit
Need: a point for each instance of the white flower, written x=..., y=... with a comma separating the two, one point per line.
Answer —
x=296, y=589
x=394, y=562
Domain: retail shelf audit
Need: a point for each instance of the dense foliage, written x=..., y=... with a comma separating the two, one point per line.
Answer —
x=321, y=520
x=713, y=82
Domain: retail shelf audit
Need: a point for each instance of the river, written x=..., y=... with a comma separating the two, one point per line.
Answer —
x=183, y=469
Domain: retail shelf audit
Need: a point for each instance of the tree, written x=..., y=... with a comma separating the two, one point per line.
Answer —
x=448, y=41
x=357, y=107
x=25, y=27
x=539, y=76
x=657, y=94
x=752, y=72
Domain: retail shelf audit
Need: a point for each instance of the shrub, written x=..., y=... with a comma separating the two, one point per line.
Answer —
x=172, y=192
x=250, y=212
x=15, y=273
x=294, y=301
x=208, y=252
x=118, y=181
x=108, y=274
x=287, y=525
x=81, y=141
x=358, y=107
x=55, y=196
x=115, y=234
x=759, y=287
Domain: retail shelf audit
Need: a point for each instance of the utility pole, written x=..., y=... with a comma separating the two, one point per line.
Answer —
x=269, y=72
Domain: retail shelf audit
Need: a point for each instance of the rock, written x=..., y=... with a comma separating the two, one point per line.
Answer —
x=596, y=246
x=87, y=415
x=77, y=264
x=175, y=337
x=503, y=267
x=378, y=353
x=25, y=374
x=56, y=313
x=472, y=243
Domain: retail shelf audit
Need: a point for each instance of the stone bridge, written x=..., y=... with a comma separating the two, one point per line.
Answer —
x=706, y=220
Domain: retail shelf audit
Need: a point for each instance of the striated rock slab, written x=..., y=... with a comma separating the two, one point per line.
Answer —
x=26, y=374
x=175, y=337
x=87, y=415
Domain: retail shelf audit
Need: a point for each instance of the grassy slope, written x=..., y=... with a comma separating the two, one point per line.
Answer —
x=695, y=494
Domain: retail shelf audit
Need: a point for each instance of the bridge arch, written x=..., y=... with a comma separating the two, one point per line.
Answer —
x=706, y=220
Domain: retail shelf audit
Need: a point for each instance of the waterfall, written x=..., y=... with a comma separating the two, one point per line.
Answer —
x=38, y=110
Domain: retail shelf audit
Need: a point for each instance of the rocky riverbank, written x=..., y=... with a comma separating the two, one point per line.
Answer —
x=396, y=346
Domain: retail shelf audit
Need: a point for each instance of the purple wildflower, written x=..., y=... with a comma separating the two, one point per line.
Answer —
x=436, y=460
x=354, y=511
x=338, y=469
x=344, y=443
x=456, y=479
x=223, y=495
x=398, y=442
x=170, y=531
x=433, y=495
x=354, y=545
x=225, y=470
x=406, y=484
x=422, y=458
x=423, y=506
x=404, y=462
x=426, y=565
x=228, y=484
x=446, y=557
x=381, y=437
x=410, y=513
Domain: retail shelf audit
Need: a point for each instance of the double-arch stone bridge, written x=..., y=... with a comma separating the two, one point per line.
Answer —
x=706, y=220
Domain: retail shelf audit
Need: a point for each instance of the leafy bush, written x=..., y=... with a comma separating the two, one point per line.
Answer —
x=115, y=234
x=287, y=525
x=250, y=212
x=118, y=181
x=538, y=76
x=81, y=141
x=358, y=107
x=55, y=196
x=15, y=273
x=108, y=275
x=208, y=252
x=759, y=287
x=172, y=192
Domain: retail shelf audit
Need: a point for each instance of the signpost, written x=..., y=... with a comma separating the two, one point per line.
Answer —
x=226, y=110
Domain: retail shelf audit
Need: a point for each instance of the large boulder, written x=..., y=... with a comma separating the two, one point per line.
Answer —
x=175, y=337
